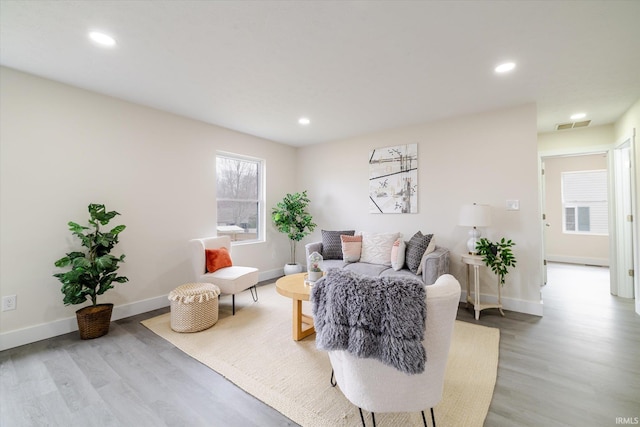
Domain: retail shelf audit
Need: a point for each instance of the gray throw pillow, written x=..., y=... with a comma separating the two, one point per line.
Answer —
x=331, y=244
x=415, y=249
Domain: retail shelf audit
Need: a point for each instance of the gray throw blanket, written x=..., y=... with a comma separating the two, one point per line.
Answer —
x=371, y=317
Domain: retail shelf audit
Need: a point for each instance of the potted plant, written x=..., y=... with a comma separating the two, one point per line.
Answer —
x=290, y=216
x=93, y=271
x=497, y=256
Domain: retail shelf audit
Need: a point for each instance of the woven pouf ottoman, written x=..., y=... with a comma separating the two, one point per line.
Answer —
x=194, y=307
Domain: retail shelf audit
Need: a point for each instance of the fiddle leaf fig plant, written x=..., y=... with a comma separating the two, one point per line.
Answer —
x=93, y=270
x=498, y=256
x=290, y=216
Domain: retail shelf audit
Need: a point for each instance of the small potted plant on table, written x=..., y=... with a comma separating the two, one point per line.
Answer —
x=497, y=256
x=93, y=271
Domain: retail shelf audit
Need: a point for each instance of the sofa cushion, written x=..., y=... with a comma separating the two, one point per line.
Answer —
x=376, y=247
x=328, y=264
x=398, y=254
x=365, y=269
x=416, y=247
x=351, y=248
x=331, y=243
x=403, y=272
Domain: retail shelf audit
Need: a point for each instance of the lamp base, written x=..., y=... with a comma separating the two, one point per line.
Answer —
x=474, y=237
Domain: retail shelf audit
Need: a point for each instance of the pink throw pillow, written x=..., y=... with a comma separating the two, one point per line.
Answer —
x=351, y=248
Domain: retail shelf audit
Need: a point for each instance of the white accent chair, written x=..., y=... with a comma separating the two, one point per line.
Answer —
x=376, y=387
x=230, y=280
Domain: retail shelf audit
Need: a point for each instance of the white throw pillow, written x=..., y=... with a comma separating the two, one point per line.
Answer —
x=397, y=254
x=376, y=247
x=430, y=248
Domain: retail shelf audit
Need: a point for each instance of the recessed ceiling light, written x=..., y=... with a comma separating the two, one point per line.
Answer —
x=102, y=39
x=578, y=116
x=304, y=121
x=506, y=67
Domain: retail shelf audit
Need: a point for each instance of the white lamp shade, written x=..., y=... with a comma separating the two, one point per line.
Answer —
x=475, y=215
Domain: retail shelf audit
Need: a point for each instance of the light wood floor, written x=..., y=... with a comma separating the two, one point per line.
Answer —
x=579, y=365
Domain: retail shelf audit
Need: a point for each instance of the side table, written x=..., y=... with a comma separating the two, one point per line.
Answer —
x=475, y=261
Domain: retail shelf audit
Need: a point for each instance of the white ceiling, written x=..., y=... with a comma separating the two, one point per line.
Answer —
x=351, y=67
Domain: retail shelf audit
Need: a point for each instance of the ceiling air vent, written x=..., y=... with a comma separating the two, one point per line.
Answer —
x=573, y=125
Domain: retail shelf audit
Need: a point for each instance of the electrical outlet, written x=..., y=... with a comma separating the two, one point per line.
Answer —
x=9, y=302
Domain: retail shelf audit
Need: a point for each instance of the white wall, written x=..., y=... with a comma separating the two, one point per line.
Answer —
x=62, y=148
x=583, y=140
x=628, y=125
x=485, y=158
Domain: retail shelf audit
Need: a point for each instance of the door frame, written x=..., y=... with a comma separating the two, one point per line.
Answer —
x=626, y=246
x=573, y=151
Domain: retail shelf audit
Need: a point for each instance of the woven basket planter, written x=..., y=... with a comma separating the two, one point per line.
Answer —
x=94, y=321
x=194, y=307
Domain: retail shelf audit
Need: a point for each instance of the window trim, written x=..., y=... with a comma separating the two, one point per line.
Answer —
x=261, y=217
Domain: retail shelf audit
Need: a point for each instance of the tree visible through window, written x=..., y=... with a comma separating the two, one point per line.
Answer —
x=585, y=203
x=239, y=197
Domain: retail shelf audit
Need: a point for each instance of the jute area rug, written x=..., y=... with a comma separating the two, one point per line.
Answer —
x=254, y=350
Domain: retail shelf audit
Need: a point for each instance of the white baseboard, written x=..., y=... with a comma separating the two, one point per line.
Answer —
x=271, y=274
x=511, y=304
x=43, y=331
x=603, y=262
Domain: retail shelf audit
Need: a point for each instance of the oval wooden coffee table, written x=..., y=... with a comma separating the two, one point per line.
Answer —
x=293, y=287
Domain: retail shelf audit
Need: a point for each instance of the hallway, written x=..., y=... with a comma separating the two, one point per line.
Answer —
x=575, y=366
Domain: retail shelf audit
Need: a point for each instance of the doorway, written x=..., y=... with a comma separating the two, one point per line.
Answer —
x=623, y=248
x=576, y=209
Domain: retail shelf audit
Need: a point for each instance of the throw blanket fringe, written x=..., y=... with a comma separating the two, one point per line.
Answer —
x=371, y=317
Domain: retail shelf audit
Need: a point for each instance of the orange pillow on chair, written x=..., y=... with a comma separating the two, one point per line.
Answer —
x=217, y=259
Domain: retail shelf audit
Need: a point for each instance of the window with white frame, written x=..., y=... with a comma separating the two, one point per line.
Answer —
x=240, y=197
x=585, y=202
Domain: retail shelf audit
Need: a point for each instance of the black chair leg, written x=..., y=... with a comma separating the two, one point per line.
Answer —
x=362, y=417
x=233, y=304
x=433, y=418
x=424, y=420
x=333, y=380
x=373, y=417
x=252, y=289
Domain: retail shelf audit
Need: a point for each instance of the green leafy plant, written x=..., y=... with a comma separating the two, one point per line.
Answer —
x=290, y=216
x=94, y=270
x=498, y=256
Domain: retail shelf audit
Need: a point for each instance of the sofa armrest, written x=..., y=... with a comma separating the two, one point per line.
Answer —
x=435, y=265
x=311, y=248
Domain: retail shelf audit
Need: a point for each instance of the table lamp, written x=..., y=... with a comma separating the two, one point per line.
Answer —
x=474, y=216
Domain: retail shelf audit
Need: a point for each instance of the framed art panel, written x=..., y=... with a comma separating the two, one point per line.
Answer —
x=393, y=179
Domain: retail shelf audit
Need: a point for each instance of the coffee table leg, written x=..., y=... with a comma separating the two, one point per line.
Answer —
x=298, y=317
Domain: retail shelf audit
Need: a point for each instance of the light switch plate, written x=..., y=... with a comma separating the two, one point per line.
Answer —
x=513, y=205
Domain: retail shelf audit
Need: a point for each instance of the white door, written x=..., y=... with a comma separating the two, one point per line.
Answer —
x=624, y=216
